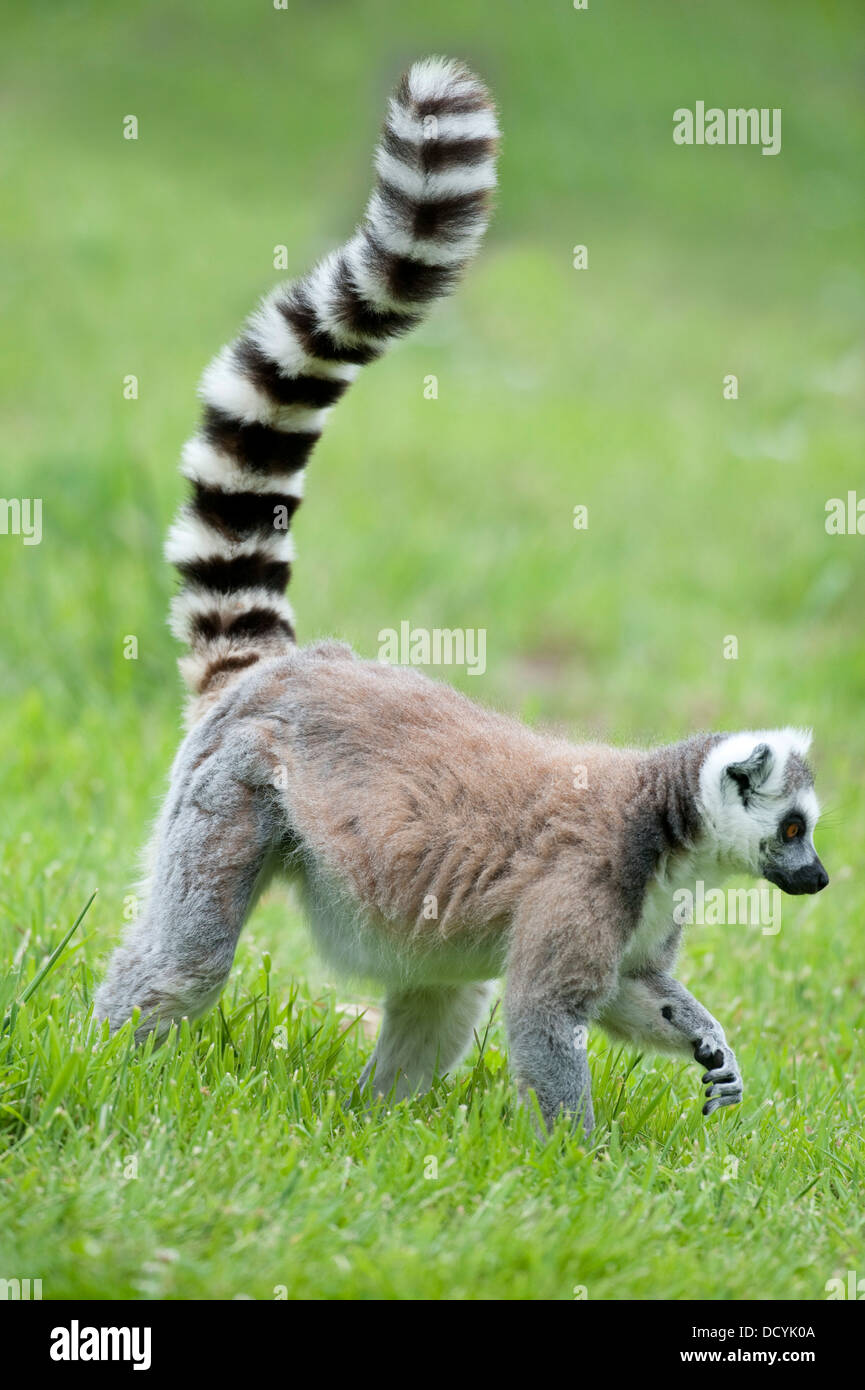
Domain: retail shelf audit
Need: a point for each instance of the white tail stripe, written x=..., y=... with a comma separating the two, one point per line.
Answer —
x=202, y=463
x=322, y=289
x=428, y=187
x=460, y=125
x=227, y=388
x=431, y=79
x=191, y=538
x=274, y=336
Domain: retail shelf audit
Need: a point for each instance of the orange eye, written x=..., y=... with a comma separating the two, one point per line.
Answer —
x=791, y=830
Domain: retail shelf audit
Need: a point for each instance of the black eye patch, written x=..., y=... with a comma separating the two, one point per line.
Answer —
x=791, y=827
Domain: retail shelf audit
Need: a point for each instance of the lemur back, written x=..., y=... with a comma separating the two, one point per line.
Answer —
x=438, y=844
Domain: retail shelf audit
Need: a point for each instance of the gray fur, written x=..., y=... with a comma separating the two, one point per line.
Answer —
x=382, y=791
x=424, y=1033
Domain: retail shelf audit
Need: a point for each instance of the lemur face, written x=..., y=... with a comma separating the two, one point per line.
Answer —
x=790, y=859
x=759, y=802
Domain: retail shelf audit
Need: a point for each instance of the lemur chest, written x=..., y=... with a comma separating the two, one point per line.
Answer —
x=657, y=920
x=661, y=912
x=654, y=926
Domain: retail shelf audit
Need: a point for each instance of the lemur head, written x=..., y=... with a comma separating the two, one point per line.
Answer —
x=758, y=804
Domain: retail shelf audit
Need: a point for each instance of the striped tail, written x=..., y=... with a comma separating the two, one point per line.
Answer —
x=267, y=395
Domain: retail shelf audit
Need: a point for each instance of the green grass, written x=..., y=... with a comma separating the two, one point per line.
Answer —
x=235, y=1160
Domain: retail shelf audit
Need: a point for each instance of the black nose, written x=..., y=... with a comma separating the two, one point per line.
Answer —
x=813, y=879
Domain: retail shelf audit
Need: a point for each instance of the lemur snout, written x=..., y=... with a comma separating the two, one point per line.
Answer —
x=814, y=880
x=810, y=878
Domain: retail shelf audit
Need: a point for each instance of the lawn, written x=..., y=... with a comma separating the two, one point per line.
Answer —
x=235, y=1161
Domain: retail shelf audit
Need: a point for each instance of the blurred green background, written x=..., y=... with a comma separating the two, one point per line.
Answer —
x=556, y=387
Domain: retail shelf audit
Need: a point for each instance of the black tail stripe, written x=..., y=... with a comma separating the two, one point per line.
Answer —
x=406, y=151
x=406, y=279
x=315, y=340
x=240, y=514
x=224, y=665
x=316, y=392
x=450, y=105
x=434, y=155
x=260, y=448
x=358, y=316
x=439, y=155
x=256, y=622
x=445, y=219
x=245, y=572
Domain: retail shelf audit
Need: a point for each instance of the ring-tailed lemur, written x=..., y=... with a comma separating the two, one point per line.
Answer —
x=385, y=792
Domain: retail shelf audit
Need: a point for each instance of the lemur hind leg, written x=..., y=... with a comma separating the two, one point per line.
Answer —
x=213, y=849
x=424, y=1032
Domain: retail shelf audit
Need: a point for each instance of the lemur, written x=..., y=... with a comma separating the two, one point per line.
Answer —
x=380, y=790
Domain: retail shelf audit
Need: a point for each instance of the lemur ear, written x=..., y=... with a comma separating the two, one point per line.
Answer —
x=750, y=774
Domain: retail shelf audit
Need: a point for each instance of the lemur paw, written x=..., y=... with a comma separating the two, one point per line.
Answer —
x=723, y=1080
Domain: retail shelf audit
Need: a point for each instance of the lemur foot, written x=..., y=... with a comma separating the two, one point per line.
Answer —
x=723, y=1080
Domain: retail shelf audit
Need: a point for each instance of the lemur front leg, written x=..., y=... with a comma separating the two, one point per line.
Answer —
x=654, y=1009
x=560, y=972
x=547, y=1045
x=211, y=854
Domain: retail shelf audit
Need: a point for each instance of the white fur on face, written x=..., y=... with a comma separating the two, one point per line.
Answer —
x=739, y=830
